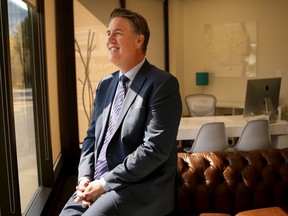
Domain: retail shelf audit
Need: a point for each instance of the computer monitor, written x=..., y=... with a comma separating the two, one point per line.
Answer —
x=262, y=97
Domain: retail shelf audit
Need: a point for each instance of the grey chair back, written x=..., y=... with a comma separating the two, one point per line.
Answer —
x=255, y=135
x=201, y=104
x=211, y=137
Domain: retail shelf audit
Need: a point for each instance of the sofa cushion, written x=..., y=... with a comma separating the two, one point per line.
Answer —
x=232, y=182
x=272, y=211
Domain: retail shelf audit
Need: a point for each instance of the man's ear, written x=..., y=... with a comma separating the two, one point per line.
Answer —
x=140, y=41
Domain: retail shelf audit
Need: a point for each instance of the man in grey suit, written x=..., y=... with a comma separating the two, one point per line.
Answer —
x=141, y=154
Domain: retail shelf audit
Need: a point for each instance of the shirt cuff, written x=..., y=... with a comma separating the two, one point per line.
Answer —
x=83, y=178
x=104, y=184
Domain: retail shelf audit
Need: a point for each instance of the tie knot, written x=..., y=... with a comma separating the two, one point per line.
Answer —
x=124, y=79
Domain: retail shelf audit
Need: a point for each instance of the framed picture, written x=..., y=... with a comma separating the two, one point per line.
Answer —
x=231, y=49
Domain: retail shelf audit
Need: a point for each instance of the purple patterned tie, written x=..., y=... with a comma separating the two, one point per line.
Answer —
x=101, y=164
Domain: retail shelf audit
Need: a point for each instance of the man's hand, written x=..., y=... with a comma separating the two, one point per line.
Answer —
x=83, y=184
x=87, y=193
x=93, y=191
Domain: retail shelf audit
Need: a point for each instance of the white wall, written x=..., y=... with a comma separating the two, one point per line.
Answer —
x=152, y=10
x=176, y=45
x=52, y=79
x=272, y=33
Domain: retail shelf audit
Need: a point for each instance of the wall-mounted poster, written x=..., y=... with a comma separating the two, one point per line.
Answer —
x=230, y=49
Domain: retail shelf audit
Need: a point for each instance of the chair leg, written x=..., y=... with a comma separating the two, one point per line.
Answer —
x=186, y=145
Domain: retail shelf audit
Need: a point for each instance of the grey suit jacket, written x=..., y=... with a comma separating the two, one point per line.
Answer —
x=142, y=154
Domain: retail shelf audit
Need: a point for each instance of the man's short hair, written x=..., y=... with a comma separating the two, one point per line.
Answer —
x=138, y=23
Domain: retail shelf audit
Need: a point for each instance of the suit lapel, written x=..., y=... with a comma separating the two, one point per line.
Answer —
x=108, y=101
x=132, y=92
x=109, y=97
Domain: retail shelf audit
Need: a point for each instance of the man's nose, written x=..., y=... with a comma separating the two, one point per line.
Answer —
x=111, y=37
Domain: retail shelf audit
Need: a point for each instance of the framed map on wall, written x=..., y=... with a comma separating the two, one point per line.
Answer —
x=231, y=49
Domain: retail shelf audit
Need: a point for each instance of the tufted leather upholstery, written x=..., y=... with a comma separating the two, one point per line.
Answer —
x=231, y=182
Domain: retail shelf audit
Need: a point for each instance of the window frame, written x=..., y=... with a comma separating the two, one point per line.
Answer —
x=10, y=199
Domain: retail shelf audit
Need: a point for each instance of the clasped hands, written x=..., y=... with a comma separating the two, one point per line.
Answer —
x=88, y=192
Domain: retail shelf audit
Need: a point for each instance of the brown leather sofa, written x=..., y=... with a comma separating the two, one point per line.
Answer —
x=233, y=183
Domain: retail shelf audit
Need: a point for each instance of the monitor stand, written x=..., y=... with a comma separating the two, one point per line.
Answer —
x=270, y=111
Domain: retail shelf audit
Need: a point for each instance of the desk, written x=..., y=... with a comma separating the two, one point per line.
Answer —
x=235, y=107
x=234, y=125
x=232, y=105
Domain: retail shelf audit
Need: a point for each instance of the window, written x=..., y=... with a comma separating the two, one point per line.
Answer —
x=25, y=144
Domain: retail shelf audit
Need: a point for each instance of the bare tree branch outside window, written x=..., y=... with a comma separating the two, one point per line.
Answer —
x=86, y=82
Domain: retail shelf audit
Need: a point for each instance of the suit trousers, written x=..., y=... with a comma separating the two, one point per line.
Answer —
x=109, y=204
x=104, y=206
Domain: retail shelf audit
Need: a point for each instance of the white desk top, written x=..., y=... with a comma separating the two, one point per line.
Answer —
x=234, y=125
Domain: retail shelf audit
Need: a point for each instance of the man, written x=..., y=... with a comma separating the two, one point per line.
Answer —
x=140, y=157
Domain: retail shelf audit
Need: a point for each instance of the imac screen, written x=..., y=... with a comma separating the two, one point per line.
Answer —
x=262, y=95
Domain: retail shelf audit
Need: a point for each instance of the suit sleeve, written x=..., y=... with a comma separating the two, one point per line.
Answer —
x=86, y=164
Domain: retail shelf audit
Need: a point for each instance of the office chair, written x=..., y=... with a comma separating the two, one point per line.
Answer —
x=211, y=137
x=255, y=135
x=201, y=104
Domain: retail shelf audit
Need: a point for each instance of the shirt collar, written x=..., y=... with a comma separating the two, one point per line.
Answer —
x=132, y=73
